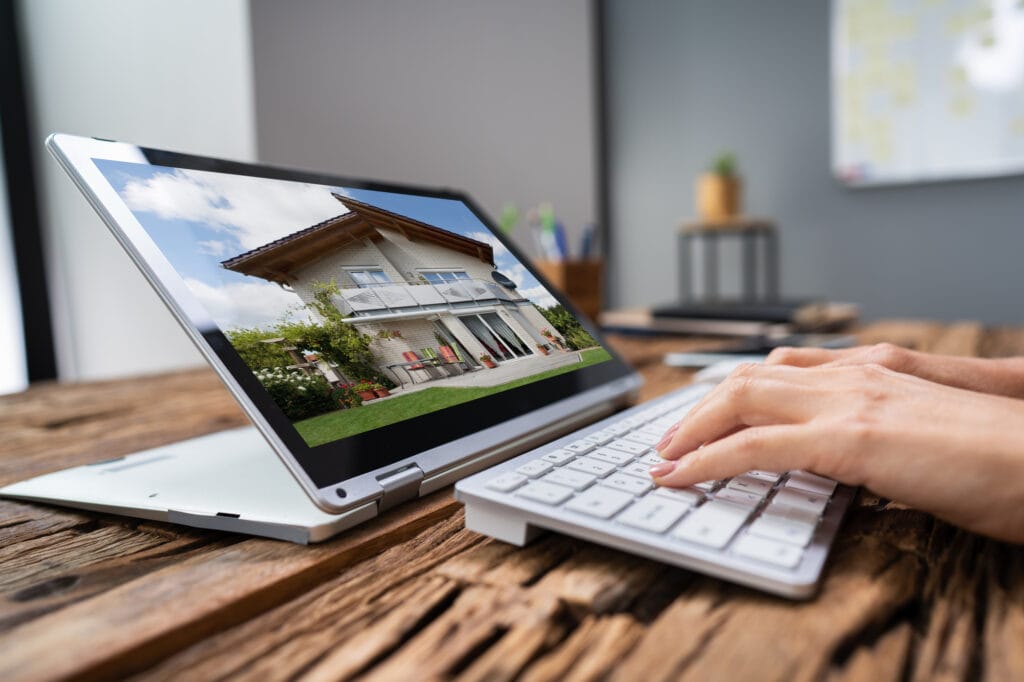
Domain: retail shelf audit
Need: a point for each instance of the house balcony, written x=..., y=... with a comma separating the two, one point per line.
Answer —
x=385, y=300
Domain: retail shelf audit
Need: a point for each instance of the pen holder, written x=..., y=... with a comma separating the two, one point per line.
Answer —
x=579, y=280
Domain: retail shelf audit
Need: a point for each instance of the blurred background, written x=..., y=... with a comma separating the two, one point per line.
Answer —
x=607, y=109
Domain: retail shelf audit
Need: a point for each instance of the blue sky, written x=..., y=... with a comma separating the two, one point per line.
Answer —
x=198, y=219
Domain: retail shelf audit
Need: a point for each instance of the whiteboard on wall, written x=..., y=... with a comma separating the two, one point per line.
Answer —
x=927, y=89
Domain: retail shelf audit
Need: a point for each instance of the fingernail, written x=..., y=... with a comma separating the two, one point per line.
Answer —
x=667, y=438
x=662, y=469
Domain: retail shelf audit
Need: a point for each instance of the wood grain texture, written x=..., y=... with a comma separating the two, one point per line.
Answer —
x=413, y=595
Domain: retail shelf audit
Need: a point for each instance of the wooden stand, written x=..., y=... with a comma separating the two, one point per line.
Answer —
x=580, y=280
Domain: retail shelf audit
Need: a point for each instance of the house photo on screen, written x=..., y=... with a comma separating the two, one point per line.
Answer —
x=354, y=308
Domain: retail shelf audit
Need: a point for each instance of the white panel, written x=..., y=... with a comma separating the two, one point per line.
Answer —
x=13, y=372
x=164, y=73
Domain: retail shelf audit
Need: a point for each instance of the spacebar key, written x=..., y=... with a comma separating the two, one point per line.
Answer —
x=713, y=524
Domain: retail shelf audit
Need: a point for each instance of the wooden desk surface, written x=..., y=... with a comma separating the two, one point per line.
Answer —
x=413, y=595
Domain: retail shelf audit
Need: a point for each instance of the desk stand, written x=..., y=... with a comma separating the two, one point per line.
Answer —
x=749, y=231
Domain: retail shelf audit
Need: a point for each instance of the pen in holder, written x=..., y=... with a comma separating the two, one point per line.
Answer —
x=579, y=280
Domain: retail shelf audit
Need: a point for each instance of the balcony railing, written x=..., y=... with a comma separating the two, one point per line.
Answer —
x=420, y=296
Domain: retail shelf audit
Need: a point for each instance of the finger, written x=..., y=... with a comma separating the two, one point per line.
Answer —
x=800, y=357
x=758, y=397
x=772, y=448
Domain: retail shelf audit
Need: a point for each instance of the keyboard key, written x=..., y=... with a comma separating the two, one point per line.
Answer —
x=784, y=530
x=653, y=431
x=769, y=551
x=628, y=446
x=616, y=457
x=791, y=513
x=600, y=501
x=750, y=485
x=812, y=483
x=712, y=524
x=637, y=469
x=580, y=447
x=707, y=486
x=559, y=457
x=535, y=468
x=629, y=484
x=689, y=496
x=506, y=482
x=589, y=465
x=545, y=493
x=800, y=499
x=577, y=480
x=767, y=476
x=654, y=514
x=650, y=459
x=618, y=428
x=739, y=497
x=633, y=421
x=645, y=439
x=601, y=437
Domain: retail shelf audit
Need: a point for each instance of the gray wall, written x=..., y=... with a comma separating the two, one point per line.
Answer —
x=491, y=97
x=688, y=79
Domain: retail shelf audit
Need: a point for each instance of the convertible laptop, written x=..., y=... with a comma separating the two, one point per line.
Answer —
x=387, y=341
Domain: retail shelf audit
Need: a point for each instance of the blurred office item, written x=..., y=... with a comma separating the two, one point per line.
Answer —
x=927, y=91
x=719, y=191
x=579, y=280
x=815, y=316
x=759, y=247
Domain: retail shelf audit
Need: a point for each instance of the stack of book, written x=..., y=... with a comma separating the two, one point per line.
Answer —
x=733, y=318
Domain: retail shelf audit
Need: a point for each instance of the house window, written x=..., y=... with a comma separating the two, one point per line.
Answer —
x=499, y=339
x=443, y=276
x=369, y=278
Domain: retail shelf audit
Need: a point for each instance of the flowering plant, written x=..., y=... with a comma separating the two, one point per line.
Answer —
x=299, y=396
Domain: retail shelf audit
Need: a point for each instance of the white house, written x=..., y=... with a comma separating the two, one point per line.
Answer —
x=413, y=287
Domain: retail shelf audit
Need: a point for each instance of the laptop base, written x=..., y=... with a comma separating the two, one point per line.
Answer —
x=229, y=481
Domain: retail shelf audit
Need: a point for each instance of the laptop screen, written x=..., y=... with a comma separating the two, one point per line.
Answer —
x=354, y=308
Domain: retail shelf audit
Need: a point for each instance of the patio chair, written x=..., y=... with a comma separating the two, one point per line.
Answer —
x=410, y=356
x=449, y=358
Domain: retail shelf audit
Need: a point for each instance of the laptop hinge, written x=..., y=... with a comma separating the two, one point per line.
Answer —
x=399, y=486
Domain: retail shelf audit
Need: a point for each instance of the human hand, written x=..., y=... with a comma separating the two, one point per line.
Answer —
x=1000, y=376
x=955, y=453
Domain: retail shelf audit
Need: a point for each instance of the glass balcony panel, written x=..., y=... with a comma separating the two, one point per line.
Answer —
x=404, y=296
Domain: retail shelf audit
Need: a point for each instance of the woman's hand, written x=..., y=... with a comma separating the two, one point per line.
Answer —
x=956, y=453
x=1000, y=376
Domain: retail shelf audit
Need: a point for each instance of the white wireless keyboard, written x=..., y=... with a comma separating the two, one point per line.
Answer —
x=766, y=529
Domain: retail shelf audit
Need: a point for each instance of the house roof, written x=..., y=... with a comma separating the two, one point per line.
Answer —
x=277, y=261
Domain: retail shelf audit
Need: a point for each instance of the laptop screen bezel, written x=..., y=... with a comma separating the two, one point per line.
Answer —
x=336, y=462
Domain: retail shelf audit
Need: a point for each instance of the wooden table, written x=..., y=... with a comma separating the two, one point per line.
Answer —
x=414, y=596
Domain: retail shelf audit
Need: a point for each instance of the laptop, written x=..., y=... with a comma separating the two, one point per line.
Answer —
x=387, y=341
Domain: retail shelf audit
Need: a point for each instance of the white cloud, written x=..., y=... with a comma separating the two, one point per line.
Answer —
x=213, y=247
x=246, y=304
x=488, y=238
x=253, y=210
x=540, y=296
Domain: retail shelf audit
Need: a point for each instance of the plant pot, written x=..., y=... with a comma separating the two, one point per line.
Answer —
x=489, y=364
x=719, y=197
x=366, y=395
x=382, y=392
x=542, y=350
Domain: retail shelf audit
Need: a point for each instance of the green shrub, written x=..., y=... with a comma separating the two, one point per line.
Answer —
x=299, y=396
x=576, y=337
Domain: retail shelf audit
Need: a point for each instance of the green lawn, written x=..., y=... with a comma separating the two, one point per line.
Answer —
x=343, y=423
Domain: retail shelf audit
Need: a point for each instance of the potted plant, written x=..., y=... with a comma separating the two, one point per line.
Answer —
x=719, y=190
x=381, y=391
x=364, y=389
x=346, y=396
x=487, y=361
x=542, y=348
